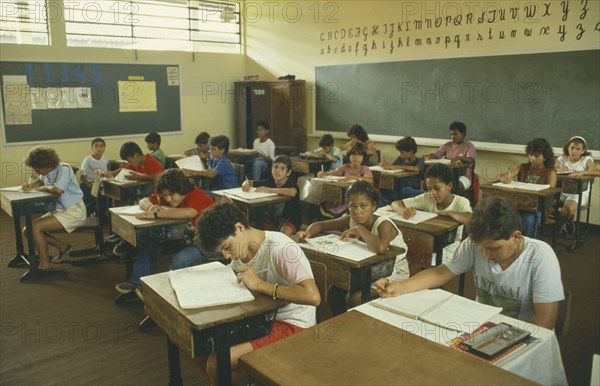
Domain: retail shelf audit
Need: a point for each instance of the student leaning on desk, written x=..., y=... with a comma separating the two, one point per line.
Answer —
x=188, y=201
x=377, y=232
x=56, y=178
x=511, y=271
x=266, y=262
x=144, y=167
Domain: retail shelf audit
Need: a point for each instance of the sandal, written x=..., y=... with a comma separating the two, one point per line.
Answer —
x=61, y=254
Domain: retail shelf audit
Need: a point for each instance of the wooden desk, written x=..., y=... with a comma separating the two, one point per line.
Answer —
x=529, y=201
x=356, y=349
x=352, y=275
x=386, y=180
x=18, y=204
x=144, y=232
x=442, y=228
x=578, y=185
x=170, y=160
x=248, y=204
x=308, y=165
x=205, y=330
x=234, y=154
x=125, y=192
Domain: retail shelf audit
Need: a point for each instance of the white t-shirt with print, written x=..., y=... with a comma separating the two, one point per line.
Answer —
x=90, y=166
x=287, y=265
x=534, y=277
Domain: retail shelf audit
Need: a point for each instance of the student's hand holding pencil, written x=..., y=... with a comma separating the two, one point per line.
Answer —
x=380, y=285
x=249, y=277
x=391, y=289
x=409, y=213
x=303, y=235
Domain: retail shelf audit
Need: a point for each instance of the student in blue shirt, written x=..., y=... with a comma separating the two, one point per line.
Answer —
x=56, y=178
x=328, y=150
x=407, y=160
x=220, y=167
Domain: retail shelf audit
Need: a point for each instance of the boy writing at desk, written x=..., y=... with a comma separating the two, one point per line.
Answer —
x=285, y=216
x=219, y=164
x=269, y=263
x=511, y=271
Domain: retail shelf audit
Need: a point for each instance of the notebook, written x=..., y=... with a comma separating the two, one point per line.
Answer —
x=311, y=155
x=441, y=308
x=383, y=170
x=329, y=178
x=522, y=185
x=351, y=249
x=420, y=217
x=193, y=163
x=122, y=174
x=252, y=194
x=207, y=285
x=439, y=161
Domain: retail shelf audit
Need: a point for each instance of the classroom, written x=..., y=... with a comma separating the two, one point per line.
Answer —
x=348, y=44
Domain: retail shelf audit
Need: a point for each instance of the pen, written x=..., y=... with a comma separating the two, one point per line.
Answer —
x=322, y=168
x=509, y=171
x=263, y=270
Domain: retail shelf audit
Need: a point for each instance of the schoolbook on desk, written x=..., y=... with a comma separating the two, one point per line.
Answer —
x=252, y=194
x=207, y=285
x=193, y=163
x=522, y=186
x=441, y=308
x=311, y=156
x=419, y=217
x=332, y=244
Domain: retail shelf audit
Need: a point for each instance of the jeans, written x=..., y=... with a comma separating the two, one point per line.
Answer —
x=529, y=223
x=259, y=166
x=182, y=258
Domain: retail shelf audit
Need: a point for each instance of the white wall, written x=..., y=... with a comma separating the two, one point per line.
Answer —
x=292, y=37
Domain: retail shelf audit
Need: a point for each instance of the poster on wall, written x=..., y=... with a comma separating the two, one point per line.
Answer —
x=136, y=96
x=17, y=104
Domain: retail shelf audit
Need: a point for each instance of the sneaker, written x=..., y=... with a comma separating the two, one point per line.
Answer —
x=570, y=228
x=112, y=238
x=120, y=249
x=126, y=287
x=62, y=255
x=140, y=293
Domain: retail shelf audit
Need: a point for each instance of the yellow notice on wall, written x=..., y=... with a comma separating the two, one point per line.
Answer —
x=136, y=96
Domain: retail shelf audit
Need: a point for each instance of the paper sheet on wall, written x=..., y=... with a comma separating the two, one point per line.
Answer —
x=54, y=97
x=38, y=98
x=173, y=76
x=136, y=96
x=17, y=103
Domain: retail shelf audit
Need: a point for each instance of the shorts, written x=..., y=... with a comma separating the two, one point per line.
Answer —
x=279, y=331
x=70, y=218
x=585, y=196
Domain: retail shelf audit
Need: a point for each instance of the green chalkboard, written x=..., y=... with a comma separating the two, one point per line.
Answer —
x=101, y=115
x=502, y=99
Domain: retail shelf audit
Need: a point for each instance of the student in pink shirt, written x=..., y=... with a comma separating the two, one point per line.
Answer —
x=356, y=169
x=457, y=150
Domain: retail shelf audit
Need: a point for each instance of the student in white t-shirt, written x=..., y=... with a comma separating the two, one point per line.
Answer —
x=266, y=150
x=517, y=273
x=93, y=167
x=266, y=262
x=439, y=180
x=575, y=158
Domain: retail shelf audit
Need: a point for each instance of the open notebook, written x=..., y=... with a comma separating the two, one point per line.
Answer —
x=122, y=174
x=250, y=195
x=383, y=170
x=351, y=249
x=193, y=163
x=329, y=178
x=438, y=161
x=522, y=185
x=206, y=285
x=416, y=219
x=441, y=308
x=311, y=156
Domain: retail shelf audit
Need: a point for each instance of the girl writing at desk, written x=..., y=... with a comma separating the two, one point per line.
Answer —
x=539, y=170
x=575, y=159
x=56, y=178
x=377, y=232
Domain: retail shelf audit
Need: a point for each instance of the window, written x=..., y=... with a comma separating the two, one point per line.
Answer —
x=24, y=22
x=178, y=25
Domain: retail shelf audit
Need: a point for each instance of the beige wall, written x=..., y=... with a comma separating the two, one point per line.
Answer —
x=292, y=37
x=214, y=72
